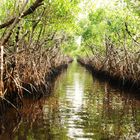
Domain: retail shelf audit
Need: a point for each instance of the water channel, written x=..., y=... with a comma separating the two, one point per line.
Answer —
x=79, y=108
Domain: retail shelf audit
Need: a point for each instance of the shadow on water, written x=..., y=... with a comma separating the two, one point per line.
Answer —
x=80, y=107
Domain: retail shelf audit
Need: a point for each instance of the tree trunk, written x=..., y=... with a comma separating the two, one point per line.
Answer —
x=2, y=70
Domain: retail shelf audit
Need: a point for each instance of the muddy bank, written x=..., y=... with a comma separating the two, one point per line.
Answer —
x=123, y=83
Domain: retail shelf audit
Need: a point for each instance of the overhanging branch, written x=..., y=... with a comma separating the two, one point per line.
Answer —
x=29, y=11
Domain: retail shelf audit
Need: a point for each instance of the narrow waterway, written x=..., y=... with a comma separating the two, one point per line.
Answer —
x=80, y=108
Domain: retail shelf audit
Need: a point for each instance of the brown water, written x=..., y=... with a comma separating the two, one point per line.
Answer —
x=80, y=108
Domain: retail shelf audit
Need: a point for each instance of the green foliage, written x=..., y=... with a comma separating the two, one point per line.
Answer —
x=61, y=16
x=134, y=5
x=55, y=16
x=111, y=23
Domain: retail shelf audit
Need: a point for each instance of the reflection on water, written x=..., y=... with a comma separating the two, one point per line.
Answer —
x=80, y=108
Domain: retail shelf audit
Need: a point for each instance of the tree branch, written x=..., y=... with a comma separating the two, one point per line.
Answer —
x=29, y=11
x=129, y=33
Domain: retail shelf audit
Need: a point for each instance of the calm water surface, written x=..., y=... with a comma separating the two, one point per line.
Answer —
x=80, y=108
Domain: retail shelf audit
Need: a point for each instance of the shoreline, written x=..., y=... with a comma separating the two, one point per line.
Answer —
x=119, y=82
